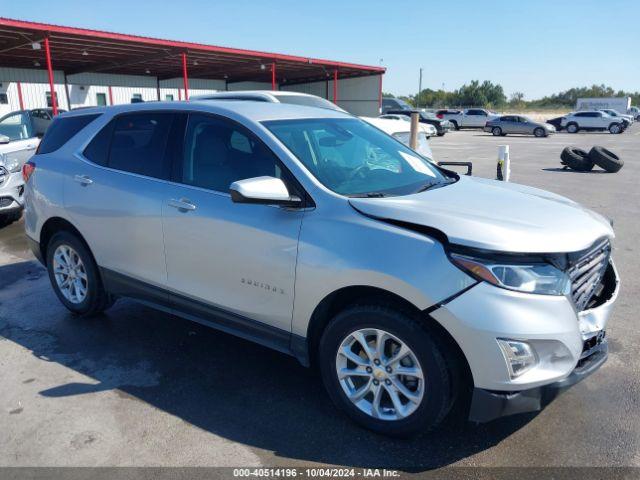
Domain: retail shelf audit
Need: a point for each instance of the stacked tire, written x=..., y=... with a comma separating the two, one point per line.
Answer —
x=583, y=161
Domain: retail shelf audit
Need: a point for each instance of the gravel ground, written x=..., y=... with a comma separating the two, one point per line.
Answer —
x=137, y=387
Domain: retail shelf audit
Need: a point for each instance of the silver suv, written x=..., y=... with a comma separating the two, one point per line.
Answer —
x=316, y=234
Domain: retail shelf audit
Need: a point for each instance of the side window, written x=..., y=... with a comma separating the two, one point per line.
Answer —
x=61, y=130
x=581, y=115
x=98, y=149
x=138, y=144
x=218, y=152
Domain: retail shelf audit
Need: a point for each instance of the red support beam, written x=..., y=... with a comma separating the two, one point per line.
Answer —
x=273, y=75
x=185, y=77
x=54, y=99
x=20, y=99
x=110, y=95
x=335, y=86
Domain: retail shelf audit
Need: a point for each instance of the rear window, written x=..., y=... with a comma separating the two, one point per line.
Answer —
x=62, y=129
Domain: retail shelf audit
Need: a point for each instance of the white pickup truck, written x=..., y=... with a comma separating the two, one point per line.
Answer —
x=469, y=118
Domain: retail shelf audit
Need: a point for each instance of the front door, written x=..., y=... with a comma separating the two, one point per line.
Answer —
x=240, y=258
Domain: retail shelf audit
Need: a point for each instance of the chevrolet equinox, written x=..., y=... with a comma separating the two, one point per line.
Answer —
x=316, y=234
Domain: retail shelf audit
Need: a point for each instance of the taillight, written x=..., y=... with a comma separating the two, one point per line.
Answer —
x=27, y=170
x=440, y=115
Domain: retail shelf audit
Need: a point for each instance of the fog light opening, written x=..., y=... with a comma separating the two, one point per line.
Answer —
x=520, y=356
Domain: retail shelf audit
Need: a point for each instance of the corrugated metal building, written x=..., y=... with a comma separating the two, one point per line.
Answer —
x=89, y=68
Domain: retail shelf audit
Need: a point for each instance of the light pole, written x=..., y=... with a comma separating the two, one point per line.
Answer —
x=419, y=89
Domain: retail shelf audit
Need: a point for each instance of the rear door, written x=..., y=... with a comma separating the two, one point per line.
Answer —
x=114, y=194
x=224, y=256
x=475, y=118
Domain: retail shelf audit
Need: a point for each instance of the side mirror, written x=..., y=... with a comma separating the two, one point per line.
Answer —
x=467, y=165
x=264, y=191
x=4, y=139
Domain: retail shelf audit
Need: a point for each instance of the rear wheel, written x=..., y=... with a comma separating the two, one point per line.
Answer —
x=386, y=370
x=455, y=125
x=572, y=128
x=496, y=131
x=74, y=276
x=539, y=132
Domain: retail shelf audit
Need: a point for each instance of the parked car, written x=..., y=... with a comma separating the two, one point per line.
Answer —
x=508, y=124
x=414, y=287
x=401, y=130
x=394, y=104
x=19, y=138
x=272, y=96
x=556, y=123
x=614, y=113
x=442, y=126
x=635, y=112
x=469, y=118
x=428, y=129
x=592, y=120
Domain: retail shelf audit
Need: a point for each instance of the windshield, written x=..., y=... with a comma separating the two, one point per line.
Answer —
x=306, y=101
x=353, y=158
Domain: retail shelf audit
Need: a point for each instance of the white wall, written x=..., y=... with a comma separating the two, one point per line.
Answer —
x=235, y=86
x=359, y=96
x=197, y=86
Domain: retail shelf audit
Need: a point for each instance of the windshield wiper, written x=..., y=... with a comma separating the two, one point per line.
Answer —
x=369, y=195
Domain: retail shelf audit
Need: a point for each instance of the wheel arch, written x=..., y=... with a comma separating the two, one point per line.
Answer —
x=54, y=225
x=344, y=297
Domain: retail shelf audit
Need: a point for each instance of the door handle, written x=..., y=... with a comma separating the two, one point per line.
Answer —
x=184, y=204
x=83, y=180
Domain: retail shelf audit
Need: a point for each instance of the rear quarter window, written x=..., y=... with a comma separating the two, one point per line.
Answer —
x=61, y=130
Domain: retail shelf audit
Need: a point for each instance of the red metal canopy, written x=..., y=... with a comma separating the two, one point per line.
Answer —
x=76, y=50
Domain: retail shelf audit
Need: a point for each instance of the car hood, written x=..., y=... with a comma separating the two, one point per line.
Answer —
x=495, y=215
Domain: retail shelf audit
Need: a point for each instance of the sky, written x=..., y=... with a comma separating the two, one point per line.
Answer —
x=534, y=47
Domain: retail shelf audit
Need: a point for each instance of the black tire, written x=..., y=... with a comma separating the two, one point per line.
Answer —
x=539, y=132
x=432, y=352
x=441, y=134
x=615, y=128
x=455, y=124
x=576, y=159
x=7, y=219
x=496, y=131
x=97, y=299
x=572, y=127
x=606, y=159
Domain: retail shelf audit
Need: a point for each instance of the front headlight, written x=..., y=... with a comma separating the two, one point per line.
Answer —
x=541, y=278
x=11, y=165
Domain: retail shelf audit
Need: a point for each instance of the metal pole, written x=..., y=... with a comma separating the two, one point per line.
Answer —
x=335, y=86
x=110, y=95
x=66, y=91
x=20, y=99
x=419, y=90
x=380, y=94
x=415, y=125
x=158, y=87
x=185, y=78
x=54, y=100
x=273, y=75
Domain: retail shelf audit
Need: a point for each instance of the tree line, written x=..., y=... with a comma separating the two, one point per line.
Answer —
x=490, y=95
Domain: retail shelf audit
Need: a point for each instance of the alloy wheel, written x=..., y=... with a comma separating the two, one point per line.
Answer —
x=380, y=374
x=70, y=274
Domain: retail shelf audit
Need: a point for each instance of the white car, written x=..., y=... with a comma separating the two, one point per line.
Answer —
x=592, y=120
x=469, y=118
x=19, y=138
x=428, y=129
x=401, y=130
x=615, y=113
x=272, y=96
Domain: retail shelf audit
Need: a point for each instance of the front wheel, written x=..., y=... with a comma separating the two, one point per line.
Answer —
x=74, y=275
x=572, y=128
x=386, y=370
x=539, y=132
x=615, y=128
x=497, y=131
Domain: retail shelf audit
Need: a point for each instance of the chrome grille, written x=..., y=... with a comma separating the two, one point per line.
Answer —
x=3, y=175
x=587, y=273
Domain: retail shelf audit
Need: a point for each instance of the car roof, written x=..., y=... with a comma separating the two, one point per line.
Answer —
x=254, y=111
